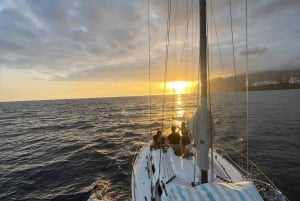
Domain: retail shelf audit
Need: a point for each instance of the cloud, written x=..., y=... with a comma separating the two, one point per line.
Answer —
x=66, y=36
x=108, y=39
x=253, y=51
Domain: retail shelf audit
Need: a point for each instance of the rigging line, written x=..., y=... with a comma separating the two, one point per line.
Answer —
x=198, y=86
x=149, y=85
x=195, y=57
x=175, y=60
x=247, y=88
x=166, y=60
x=187, y=39
x=192, y=48
x=209, y=90
x=149, y=72
x=233, y=54
x=186, y=36
x=194, y=70
x=218, y=42
x=189, y=56
x=165, y=74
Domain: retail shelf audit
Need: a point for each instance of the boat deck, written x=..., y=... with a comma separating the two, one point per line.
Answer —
x=177, y=178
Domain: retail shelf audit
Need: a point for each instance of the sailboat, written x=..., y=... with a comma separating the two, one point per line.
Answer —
x=209, y=174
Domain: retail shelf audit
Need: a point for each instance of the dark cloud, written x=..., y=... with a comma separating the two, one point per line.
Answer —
x=62, y=35
x=92, y=39
x=262, y=9
x=8, y=46
x=253, y=51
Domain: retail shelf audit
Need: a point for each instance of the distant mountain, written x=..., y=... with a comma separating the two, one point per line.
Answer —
x=238, y=83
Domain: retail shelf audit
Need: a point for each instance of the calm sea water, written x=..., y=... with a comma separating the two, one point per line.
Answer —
x=63, y=149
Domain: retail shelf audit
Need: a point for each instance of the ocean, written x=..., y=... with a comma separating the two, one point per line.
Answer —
x=83, y=149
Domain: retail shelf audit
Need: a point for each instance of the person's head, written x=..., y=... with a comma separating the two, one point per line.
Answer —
x=183, y=124
x=173, y=128
x=159, y=132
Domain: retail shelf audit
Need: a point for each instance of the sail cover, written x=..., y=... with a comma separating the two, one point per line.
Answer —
x=240, y=191
x=201, y=128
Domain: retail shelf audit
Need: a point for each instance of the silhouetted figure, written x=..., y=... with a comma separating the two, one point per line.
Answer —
x=186, y=138
x=158, y=140
x=174, y=140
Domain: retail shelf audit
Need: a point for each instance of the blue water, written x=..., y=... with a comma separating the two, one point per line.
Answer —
x=63, y=149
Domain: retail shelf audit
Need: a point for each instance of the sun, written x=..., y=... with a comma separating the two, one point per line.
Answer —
x=179, y=87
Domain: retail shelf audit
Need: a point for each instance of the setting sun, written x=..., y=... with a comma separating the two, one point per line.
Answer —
x=180, y=87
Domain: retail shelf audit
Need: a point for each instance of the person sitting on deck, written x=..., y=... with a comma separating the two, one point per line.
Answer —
x=158, y=141
x=186, y=139
x=174, y=140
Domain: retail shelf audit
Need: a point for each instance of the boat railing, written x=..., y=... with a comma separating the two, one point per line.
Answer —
x=137, y=149
x=267, y=189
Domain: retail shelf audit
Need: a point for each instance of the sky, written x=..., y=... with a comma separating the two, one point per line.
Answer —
x=57, y=49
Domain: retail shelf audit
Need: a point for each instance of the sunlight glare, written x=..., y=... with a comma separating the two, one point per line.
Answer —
x=180, y=87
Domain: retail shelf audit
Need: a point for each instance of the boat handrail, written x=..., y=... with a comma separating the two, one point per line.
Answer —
x=255, y=174
x=137, y=149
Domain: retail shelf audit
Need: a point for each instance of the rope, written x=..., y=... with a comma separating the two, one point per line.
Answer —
x=210, y=115
x=194, y=42
x=182, y=181
x=188, y=16
x=165, y=74
x=175, y=60
x=233, y=54
x=185, y=44
x=218, y=42
x=166, y=62
x=198, y=95
x=149, y=88
x=247, y=90
x=197, y=98
x=149, y=73
x=192, y=49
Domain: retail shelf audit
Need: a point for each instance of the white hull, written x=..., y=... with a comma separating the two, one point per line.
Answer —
x=172, y=177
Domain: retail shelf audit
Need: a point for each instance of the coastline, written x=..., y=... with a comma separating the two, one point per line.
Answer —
x=281, y=86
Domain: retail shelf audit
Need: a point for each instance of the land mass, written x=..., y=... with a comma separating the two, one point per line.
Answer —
x=279, y=86
x=268, y=80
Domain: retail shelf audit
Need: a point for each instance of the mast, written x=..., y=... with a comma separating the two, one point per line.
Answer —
x=205, y=121
x=203, y=47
